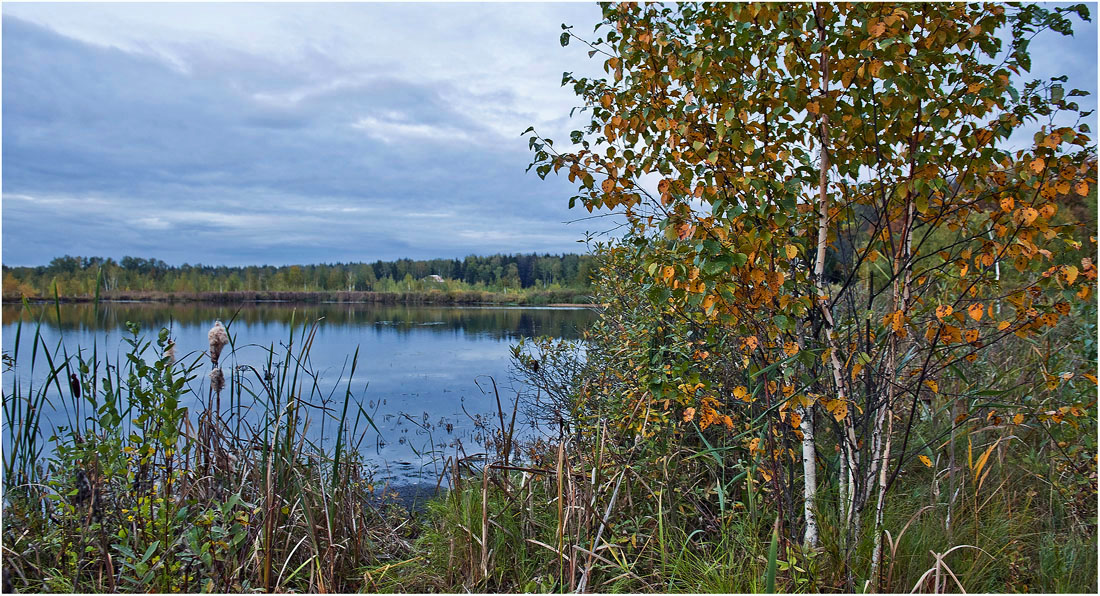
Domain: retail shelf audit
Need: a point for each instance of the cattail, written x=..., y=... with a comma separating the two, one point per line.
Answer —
x=217, y=380
x=170, y=352
x=218, y=338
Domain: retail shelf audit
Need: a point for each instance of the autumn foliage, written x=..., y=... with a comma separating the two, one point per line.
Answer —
x=843, y=220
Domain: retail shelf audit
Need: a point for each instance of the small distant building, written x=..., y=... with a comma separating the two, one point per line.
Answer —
x=434, y=278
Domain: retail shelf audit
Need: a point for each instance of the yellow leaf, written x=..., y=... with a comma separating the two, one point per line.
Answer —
x=983, y=459
x=1018, y=419
x=792, y=251
x=1070, y=272
x=790, y=348
x=1081, y=188
x=943, y=311
x=689, y=414
x=708, y=303
x=934, y=386
x=846, y=78
x=838, y=408
x=742, y=394
x=924, y=460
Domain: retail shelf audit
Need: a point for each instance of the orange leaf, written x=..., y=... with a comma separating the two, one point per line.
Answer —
x=924, y=460
x=1018, y=419
x=795, y=420
x=1007, y=204
x=943, y=311
x=1082, y=188
x=934, y=386
x=975, y=311
x=1029, y=215
x=689, y=414
x=1037, y=165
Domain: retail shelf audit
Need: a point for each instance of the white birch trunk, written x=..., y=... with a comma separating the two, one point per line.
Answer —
x=809, y=473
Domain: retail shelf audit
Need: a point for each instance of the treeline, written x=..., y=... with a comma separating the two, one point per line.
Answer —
x=80, y=276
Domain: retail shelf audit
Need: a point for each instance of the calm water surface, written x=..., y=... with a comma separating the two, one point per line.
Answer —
x=423, y=363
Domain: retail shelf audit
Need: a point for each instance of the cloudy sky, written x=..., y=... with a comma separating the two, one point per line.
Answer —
x=284, y=133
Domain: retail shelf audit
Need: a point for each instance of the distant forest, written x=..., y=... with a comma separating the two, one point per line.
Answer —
x=79, y=276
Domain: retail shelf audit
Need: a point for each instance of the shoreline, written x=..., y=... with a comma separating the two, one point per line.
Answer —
x=564, y=298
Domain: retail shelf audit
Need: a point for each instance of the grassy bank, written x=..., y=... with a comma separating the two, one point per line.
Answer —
x=143, y=494
x=569, y=296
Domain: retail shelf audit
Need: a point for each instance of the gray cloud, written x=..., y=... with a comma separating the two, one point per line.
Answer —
x=199, y=151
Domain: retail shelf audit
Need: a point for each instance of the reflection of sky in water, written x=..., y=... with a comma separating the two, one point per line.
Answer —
x=420, y=362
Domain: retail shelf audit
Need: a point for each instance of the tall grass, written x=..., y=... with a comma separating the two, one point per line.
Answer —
x=158, y=483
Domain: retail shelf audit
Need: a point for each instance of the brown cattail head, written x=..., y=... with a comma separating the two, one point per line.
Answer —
x=217, y=380
x=218, y=338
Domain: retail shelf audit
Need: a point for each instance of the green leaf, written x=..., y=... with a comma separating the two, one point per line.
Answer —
x=773, y=555
x=149, y=551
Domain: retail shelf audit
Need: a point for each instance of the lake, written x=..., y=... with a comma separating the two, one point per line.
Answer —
x=423, y=372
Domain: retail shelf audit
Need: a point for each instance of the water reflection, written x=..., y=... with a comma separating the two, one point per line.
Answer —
x=497, y=322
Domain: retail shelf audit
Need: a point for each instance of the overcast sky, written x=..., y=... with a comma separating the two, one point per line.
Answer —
x=281, y=133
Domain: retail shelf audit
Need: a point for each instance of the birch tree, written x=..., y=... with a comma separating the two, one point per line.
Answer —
x=832, y=189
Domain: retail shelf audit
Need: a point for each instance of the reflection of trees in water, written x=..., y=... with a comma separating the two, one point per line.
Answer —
x=492, y=322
